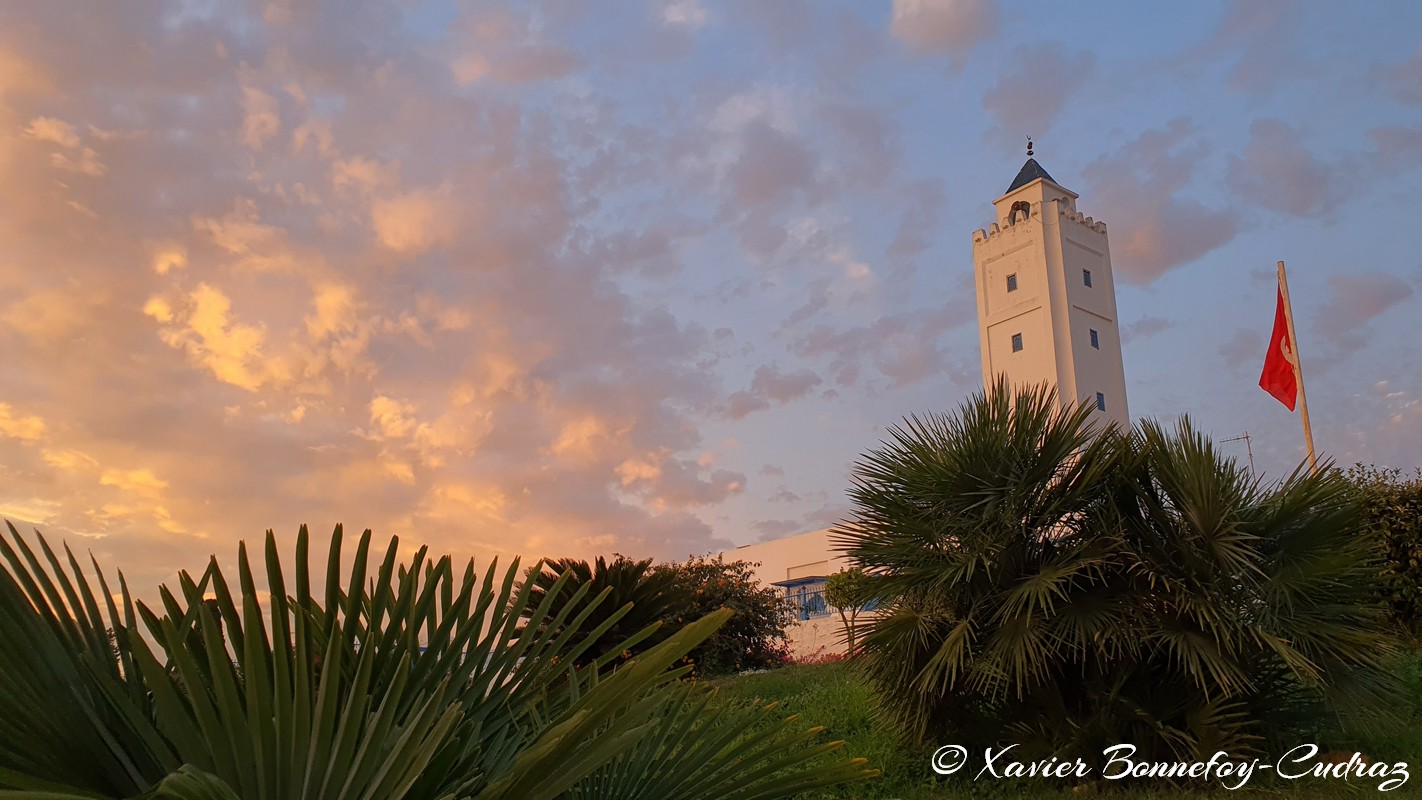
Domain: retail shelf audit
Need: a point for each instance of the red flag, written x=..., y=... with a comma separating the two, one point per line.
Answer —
x=1278, y=377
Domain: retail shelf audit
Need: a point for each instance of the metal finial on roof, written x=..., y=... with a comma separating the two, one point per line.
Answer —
x=1029, y=146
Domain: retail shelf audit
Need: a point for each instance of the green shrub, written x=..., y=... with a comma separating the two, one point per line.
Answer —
x=389, y=681
x=1392, y=515
x=753, y=637
x=1050, y=584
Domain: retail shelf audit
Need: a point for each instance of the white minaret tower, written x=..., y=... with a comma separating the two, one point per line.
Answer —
x=1046, y=296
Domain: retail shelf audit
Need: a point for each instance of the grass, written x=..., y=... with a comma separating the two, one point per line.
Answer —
x=835, y=696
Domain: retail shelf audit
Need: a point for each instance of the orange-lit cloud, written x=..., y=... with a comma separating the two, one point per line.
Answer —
x=27, y=428
x=413, y=222
x=232, y=351
x=139, y=481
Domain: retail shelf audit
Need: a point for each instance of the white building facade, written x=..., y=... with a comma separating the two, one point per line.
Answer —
x=1047, y=297
x=798, y=566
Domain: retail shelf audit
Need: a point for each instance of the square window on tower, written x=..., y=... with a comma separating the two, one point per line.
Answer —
x=1016, y=342
x=1100, y=402
x=1012, y=282
x=1086, y=277
x=1095, y=340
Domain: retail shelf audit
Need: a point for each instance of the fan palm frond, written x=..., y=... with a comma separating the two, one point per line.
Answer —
x=1115, y=585
x=383, y=680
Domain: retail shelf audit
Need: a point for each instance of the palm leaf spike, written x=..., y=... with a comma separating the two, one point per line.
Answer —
x=283, y=689
x=58, y=650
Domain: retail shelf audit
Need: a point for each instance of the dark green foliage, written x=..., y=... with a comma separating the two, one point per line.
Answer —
x=704, y=751
x=635, y=592
x=836, y=696
x=1066, y=589
x=1392, y=515
x=674, y=594
x=753, y=637
x=191, y=784
x=380, y=680
x=849, y=591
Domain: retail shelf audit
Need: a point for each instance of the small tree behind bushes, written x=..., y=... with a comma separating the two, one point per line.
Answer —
x=849, y=591
x=1392, y=515
x=1047, y=583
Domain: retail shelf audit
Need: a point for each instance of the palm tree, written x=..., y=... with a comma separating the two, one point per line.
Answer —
x=1049, y=582
x=632, y=594
x=385, y=681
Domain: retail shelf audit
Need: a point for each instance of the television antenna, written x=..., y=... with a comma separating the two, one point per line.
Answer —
x=1248, y=446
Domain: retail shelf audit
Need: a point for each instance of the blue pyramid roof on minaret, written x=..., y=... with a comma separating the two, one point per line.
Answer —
x=1030, y=171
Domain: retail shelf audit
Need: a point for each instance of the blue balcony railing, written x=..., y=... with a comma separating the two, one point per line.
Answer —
x=805, y=600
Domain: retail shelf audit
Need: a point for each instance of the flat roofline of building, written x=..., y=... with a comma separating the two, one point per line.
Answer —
x=802, y=581
x=787, y=536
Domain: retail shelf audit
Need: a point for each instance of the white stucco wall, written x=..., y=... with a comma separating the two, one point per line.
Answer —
x=793, y=557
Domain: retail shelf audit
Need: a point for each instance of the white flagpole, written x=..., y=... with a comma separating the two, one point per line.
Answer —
x=1298, y=369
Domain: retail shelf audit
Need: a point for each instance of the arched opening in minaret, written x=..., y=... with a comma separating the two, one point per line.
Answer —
x=1022, y=206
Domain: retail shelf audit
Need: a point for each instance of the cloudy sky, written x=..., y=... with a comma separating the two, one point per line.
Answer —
x=646, y=276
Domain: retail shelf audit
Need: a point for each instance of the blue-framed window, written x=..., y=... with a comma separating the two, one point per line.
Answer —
x=1095, y=340
x=1016, y=342
x=1012, y=282
x=1100, y=401
x=1086, y=277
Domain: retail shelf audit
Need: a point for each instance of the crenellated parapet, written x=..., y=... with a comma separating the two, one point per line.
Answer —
x=994, y=230
x=1080, y=218
x=1064, y=211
